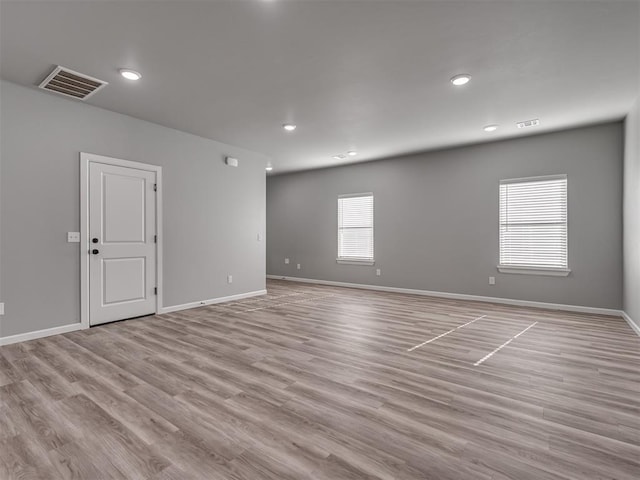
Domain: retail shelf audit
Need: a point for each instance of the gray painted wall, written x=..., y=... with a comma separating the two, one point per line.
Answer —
x=436, y=218
x=632, y=214
x=212, y=213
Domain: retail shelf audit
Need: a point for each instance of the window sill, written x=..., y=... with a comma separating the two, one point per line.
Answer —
x=551, y=272
x=344, y=261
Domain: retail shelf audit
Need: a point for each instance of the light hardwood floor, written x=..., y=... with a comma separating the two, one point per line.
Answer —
x=314, y=382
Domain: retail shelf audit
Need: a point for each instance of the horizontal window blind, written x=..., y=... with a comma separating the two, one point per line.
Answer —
x=533, y=222
x=355, y=227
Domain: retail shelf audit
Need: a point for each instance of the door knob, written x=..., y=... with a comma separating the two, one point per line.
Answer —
x=95, y=240
x=95, y=251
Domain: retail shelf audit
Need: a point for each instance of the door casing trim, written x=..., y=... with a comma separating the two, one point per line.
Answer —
x=85, y=160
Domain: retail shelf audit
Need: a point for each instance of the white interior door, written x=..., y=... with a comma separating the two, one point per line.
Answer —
x=122, y=248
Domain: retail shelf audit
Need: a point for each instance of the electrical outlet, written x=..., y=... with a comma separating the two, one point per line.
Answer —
x=73, y=237
x=2, y=308
x=492, y=280
x=378, y=272
x=229, y=278
x=298, y=266
x=286, y=261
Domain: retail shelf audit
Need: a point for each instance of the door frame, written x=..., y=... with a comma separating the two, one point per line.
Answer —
x=85, y=160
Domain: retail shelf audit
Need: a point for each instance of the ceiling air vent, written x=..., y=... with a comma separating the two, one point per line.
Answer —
x=529, y=123
x=71, y=84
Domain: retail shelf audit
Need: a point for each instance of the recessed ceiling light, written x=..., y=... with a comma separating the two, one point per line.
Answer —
x=461, y=79
x=130, y=74
x=352, y=153
x=340, y=157
x=268, y=168
x=289, y=127
x=490, y=128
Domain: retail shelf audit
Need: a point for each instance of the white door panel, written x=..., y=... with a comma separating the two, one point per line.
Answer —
x=123, y=280
x=122, y=250
x=124, y=212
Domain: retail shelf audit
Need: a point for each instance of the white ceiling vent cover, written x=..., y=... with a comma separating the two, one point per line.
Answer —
x=529, y=123
x=71, y=84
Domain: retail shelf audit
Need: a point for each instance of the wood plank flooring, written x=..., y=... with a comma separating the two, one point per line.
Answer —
x=314, y=382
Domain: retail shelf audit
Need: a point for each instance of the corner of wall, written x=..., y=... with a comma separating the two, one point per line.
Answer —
x=632, y=323
x=631, y=217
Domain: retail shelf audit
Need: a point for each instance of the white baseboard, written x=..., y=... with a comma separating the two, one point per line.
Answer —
x=23, y=337
x=458, y=296
x=634, y=326
x=211, y=301
x=47, y=332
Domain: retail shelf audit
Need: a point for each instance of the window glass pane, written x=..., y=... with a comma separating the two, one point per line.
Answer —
x=355, y=227
x=533, y=223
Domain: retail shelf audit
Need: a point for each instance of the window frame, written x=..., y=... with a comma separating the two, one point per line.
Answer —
x=532, y=269
x=355, y=260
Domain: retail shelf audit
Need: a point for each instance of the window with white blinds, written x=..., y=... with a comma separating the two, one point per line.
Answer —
x=355, y=228
x=533, y=224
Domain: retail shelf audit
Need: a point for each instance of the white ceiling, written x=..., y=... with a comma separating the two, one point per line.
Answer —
x=371, y=76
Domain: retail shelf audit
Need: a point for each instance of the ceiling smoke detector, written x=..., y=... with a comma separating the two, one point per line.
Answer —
x=528, y=123
x=71, y=83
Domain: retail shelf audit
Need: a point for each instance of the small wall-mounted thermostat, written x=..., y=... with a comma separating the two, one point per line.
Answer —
x=232, y=162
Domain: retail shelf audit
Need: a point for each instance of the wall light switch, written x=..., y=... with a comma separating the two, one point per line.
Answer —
x=378, y=272
x=73, y=237
x=492, y=280
x=229, y=278
x=286, y=261
x=298, y=266
x=2, y=308
x=259, y=237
